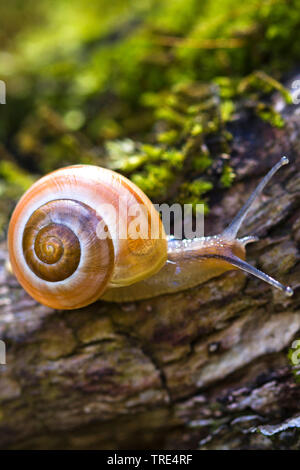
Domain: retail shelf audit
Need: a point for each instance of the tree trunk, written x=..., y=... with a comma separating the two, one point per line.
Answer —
x=205, y=368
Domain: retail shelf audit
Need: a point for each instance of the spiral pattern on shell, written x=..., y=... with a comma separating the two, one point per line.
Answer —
x=60, y=241
x=54, y=244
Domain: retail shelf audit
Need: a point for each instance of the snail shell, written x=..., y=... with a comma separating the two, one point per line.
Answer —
x=54, y=241
x=70, y=242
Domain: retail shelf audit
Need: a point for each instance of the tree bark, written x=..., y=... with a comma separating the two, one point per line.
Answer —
x=206, y=368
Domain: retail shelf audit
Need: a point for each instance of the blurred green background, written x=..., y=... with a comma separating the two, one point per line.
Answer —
x=144, y=87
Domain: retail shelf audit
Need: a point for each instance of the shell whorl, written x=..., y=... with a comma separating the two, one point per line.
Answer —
x=64, y=254
x=51, y=249
x=57, y=234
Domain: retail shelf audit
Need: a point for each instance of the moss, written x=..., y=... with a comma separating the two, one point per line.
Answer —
x=170, y=115
x=192, y=193
x=227, y=177
x=152, y=152
x=154, y=180
x=15, y=176
x=168, y=137
x=168, y=74
x=124, y=155
x=202, y=162
x=227, y=110
x=270, y=115
x=227, y=85
x=261, y=81
x=187, y=115
x=293, y=358
x=196, y=129
x=199, y=187
x=13, y=182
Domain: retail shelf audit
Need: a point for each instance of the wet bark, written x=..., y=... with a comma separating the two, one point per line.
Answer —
x=205, y=368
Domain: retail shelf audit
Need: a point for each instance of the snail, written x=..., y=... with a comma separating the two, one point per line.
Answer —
x=60, y=259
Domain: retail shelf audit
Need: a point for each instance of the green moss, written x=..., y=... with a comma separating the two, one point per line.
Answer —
x=168, y=137
x=177, y=147
x=152, y=152
x=227, y=86
x=174, y=157
x=202, y=162
x=261, y=81
x=155, y=180
x=268, y=114
x=196, y=129
x=294, y=358
x=227, y=109
x=198, y=187
x=168, y=74
x=13, y=183
x=15, y=176
x=170, y=115
x=124, y=155
x=227, y=177
x=192, y=193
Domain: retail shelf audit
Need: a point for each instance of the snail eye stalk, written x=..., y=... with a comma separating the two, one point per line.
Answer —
x=244, y=266
x=231, y=231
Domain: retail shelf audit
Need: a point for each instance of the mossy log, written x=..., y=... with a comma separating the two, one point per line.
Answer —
x=206, y=368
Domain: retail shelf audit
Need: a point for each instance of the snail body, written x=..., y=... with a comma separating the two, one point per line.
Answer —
x=66, y=250
x=190, y=263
